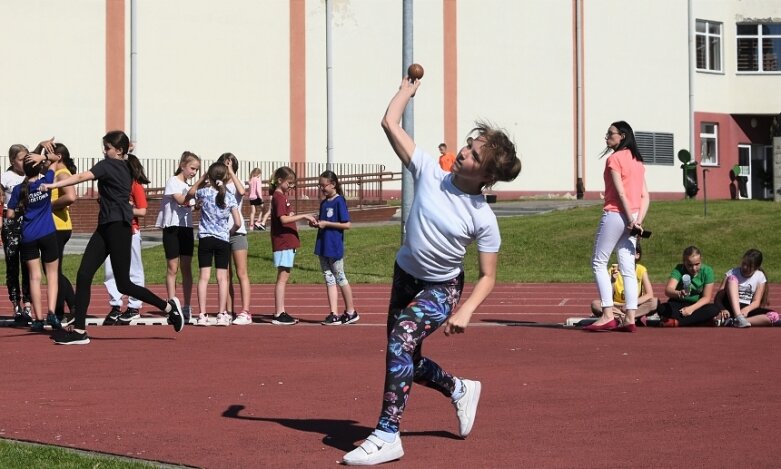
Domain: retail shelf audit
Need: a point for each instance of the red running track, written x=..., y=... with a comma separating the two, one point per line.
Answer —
x=270, y=396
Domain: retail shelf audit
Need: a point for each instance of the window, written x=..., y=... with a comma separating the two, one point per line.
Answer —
x=655, y=147
x=708, y=37
x=709, y=141
x=759, y=46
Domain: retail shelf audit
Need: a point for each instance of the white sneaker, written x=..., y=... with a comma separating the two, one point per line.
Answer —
x=243, y=319
x=224, y=319
x=373, y=451
x=466, y=406
x=203, y=320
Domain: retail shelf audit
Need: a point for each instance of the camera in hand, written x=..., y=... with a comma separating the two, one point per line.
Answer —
x=643, y=234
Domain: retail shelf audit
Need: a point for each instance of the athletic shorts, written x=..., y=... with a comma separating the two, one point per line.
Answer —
x=239, y=243
x=178, y=241
x=210, y=248
x=284, y=258
x=256, y=202
x=47, y=248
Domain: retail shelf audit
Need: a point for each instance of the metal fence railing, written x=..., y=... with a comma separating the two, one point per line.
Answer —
x=158, y=170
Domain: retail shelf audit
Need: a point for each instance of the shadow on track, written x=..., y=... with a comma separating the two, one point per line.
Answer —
x=339, y=434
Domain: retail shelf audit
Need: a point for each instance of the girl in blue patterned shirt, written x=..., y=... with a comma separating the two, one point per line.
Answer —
x=219, y=220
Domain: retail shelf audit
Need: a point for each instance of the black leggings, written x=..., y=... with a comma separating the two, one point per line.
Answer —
x=703, y=315
x=65, y=290
x=110, y=239
x=12, y=239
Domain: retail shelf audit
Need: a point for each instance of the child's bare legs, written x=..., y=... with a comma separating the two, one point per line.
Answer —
x=53, y=285
x=647, y=307
x=347, y=295
x=203, y=284
x=332, y=297
x=596, y=310
x=266, y=216
x=252, y=216
x=222, y=289
x=240, y=261
x=170, y=277
x=770, y=318
x=283, y=273
x=34, y=269
x=732, y=296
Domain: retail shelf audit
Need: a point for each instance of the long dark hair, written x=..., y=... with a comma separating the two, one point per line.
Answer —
x=232, y=158
x=136, y=169
x=628, y=141
x=30, y=170
x=331, y=176
x=65, y=155
x=118, y=140
x=753, y=259
x=216, y=175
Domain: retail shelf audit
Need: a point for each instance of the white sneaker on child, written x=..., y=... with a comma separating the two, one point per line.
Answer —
x=373, y=451
x=466, y=406
x=243, y=319
x=203, y=320
x=224, y=319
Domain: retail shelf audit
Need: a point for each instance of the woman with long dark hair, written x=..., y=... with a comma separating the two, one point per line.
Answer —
x=626, y=204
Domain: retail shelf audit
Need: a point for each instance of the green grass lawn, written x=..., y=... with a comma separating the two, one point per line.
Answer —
x=34, y=456
x=552, y=247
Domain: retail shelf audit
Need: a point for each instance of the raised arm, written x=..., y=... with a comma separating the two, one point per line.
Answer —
x=193, y=189
x=400, y=141
x=68, y=181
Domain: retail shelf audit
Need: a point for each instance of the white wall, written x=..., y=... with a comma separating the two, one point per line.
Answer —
x=53, y=77
x=214, y=77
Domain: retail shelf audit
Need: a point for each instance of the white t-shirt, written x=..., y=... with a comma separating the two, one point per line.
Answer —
x=171, y=213
x=231, y=188
x=9, y=180
x=747, y=286
x=443, y=221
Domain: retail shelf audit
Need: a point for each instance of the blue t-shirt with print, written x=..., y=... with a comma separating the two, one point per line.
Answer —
x=330, y=241
x=38, y=221
x=215, y=221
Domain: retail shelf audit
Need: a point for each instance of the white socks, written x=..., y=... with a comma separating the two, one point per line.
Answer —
x=387, y=437
x=459, y=390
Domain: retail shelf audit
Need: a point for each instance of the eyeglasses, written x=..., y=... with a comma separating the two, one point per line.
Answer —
x=608, y=134
x=323, y=186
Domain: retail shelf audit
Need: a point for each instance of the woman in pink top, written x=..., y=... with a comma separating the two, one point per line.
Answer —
x=626, y=204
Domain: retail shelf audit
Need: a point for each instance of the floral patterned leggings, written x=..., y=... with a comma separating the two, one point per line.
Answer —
x=416, y=310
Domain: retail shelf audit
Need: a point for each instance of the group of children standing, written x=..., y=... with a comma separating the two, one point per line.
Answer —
x=222, y=237
x=39, y=187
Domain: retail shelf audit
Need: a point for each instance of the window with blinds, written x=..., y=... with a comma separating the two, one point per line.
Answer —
x=759, y=47
x=656, y=147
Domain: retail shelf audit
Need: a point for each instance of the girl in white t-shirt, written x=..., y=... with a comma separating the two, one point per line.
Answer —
x=176, y=220
x=743, y=295
x=448, y=213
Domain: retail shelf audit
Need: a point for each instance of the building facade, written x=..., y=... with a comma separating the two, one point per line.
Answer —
x=250, y=77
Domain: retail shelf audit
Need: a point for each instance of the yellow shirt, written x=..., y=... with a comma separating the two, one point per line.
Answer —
x=62, y=217
x=618, y=286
